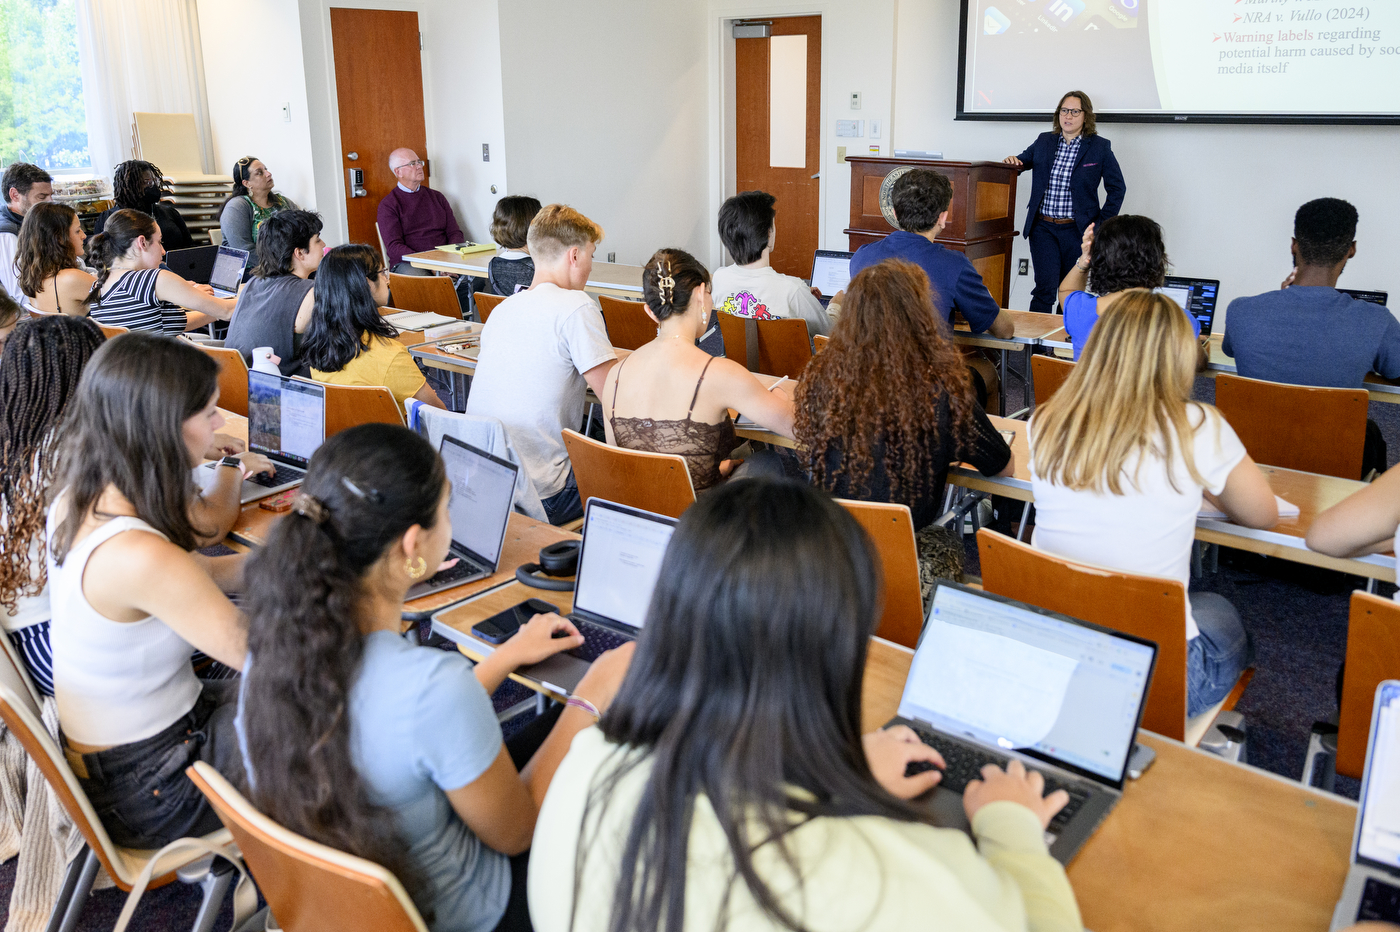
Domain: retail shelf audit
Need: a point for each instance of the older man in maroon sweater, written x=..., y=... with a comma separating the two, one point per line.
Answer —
x=413, y=218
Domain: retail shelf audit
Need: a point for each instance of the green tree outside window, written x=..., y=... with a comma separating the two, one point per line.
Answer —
x=41, y=87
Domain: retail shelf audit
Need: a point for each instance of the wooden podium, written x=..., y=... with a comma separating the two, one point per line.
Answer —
x=980, y=222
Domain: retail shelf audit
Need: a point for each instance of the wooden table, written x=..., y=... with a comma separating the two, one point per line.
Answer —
x=609, y=278
x=1030, y=328
x=1377, y=387
x=1198, y=843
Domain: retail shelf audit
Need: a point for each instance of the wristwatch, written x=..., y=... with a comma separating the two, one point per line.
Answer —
x=236, y=463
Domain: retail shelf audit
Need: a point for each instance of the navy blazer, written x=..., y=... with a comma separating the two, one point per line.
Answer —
x=1096, y=163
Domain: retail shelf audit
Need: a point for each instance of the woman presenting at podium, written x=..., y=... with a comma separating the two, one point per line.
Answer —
x=1066, y=168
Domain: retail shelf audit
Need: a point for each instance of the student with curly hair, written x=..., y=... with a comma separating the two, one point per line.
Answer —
x=671, y=374
x=1126, y=252
x=50, y=276
x=139, y=185
x=886, y=408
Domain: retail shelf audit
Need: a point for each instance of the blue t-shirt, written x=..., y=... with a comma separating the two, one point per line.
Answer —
x=957, y=286
x=421, y=724
x=1311, y=335
x=1082, y=312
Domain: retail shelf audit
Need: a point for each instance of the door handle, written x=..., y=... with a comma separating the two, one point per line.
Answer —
x=817, y=175
x=352, y=156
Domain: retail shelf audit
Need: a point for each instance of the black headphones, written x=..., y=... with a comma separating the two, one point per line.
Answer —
x=559, y=559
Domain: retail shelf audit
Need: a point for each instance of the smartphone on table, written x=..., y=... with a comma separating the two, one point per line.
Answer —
x=500, y=627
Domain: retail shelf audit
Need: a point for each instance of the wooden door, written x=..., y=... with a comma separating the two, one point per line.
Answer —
x=379, y=91
x=797, y=189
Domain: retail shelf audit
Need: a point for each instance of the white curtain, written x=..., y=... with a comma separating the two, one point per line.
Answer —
x=139, y=56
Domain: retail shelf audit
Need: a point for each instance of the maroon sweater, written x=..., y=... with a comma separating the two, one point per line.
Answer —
x=416, y=222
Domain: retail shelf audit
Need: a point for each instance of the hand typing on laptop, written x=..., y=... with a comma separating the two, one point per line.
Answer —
x=890, y=751
x=1015, y=784
x=541, y=637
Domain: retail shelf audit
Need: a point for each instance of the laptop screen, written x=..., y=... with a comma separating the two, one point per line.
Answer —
x=1008, y=675
x=286, y=417
x=620, y=561
x=1373, y=297
x=1196, y=297
x=228, y=269
x=483, y=490
x=1378, y=839
x=831, y=271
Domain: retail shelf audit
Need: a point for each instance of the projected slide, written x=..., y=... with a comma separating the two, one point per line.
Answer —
x=1247, y=58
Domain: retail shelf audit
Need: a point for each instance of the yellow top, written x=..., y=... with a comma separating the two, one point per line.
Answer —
x=386, y=363
x=866, y=872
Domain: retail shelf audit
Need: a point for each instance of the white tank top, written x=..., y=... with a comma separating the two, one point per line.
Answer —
x=115, y=682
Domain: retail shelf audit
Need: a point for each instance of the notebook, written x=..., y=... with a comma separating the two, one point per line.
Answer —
x=831, y=272
x=1196, y=296
x=1286, y=509
x=1372, y=889
x=286, y=423
x=993, y=679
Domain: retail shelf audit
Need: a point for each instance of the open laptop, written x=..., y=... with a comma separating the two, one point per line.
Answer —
x=227, y=273
x=1372, y=890
x=483, y=490
x=831, y=272
x=1196, y=296
x=195, y=264
x=286, y=423
x=1372, y=297
x=618, y=565
x=994, y=679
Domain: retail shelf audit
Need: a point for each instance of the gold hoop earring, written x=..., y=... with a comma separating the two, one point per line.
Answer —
x=416, y=567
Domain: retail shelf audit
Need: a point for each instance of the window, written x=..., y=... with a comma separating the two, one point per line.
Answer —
x=42, y=119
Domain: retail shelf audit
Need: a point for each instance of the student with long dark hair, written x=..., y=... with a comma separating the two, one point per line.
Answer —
x=729, y=786
x=348, y=342
x=251, y=204
x=39, y=371
x=50, y=242
x=358, y=739
x=133, y=291
x=130, y=599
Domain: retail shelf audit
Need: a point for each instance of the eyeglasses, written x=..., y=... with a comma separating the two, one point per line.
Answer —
x=384, y=272
x=415, y=164
x=1066, y=111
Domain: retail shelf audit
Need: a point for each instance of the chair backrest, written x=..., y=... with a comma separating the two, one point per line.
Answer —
x=1321, y=430
x=110, y=332
x=383, y=250
x=19, y=716
x=349, y=405
x=483, y=432
x=1145, y=606
x=819, y=343
x=233, y=378
x=892, y=529
x=783, y=345
x=629, y=326
x=486, y=302
x=1048, y=373
x=310, y=887
x=1373, y=655
x=427, y=294
x=658, y=482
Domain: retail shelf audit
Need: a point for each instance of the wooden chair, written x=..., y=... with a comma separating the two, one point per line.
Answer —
x=1373, y=655
x=233, y=378
x=486, y=302
x=891, y=528
x=309, y=887
x=1321, y=430
x=124, y=865
x=110, y=332
x=428, y=294
x=1047, y=375
x=783, y=345
x=819, y=343
x=349, y=405
x=657, y=482
x=383, y=250
x=628, y=325
x=1145, y=606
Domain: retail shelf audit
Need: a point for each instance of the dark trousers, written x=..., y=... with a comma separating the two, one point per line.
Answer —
x=463, y=284
x=1055, y=247
x=1374, y=455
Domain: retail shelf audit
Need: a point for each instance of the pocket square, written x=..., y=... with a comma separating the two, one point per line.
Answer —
x=1088, y=164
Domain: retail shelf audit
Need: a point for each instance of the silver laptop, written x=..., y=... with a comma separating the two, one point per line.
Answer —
x=483, y=490
x=227, y=273
x=618, y=566
x=1372, y=890
x=831, y=272
x=994, y=679
x=286, y=423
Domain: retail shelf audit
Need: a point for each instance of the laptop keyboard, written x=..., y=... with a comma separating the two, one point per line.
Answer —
x=282, y=476
x=1380, y=902
x=460, y=570
x=965, y=763
x=596, y=640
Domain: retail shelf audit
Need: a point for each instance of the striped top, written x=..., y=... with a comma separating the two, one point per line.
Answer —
x=132, y=303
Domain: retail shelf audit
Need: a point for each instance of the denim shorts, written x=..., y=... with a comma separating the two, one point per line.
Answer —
x=140, y=790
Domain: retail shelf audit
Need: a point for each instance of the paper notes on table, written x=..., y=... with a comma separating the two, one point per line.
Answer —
x=1208, y=511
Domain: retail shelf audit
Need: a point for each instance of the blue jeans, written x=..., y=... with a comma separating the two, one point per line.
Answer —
x=1218, y=655
x=1055, y=247
x=564, y=506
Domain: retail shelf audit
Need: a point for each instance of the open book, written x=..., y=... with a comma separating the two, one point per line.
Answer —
x=1286, y=509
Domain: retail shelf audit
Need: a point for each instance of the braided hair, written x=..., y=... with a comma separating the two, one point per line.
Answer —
x=669, y=279
x=39, y=371
x=129, y=184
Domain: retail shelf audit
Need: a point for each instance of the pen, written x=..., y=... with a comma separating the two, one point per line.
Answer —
x=777, y=383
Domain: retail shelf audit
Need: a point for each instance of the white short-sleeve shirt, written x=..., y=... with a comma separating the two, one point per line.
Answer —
x=766, y=293
x=535, y=348
x=1150, y=527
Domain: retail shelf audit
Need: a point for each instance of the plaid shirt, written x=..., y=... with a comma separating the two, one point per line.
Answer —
x=1057, y=201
